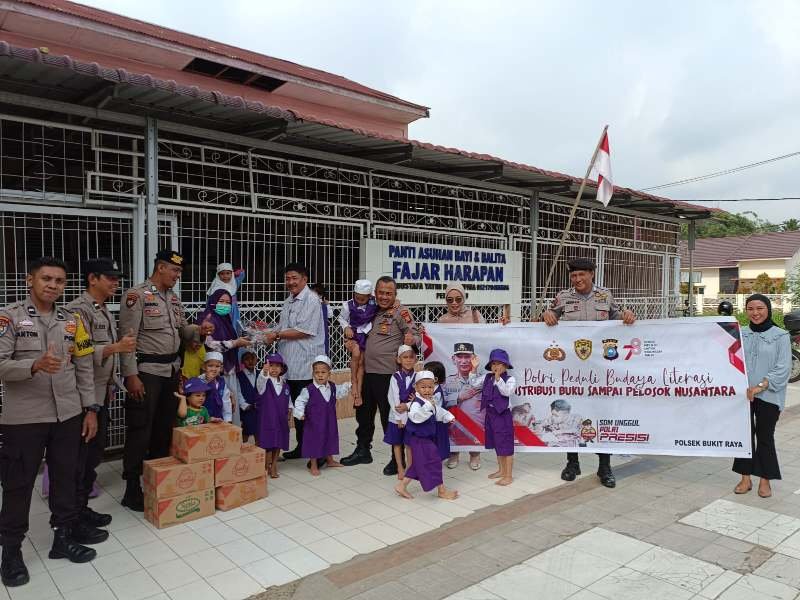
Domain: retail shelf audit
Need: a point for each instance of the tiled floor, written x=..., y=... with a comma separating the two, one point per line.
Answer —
x=601, y=564
x=305, y=525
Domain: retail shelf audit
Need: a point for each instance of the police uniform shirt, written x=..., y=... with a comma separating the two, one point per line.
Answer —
x=453, y=386
x=102, y=328
x=156, y=319
x=388, y=331
x=598, y=305
x=25, y=336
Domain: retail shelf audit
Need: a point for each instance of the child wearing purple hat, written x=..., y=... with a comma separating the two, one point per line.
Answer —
x=273, y=405
x=496, y=388
x=190, y=404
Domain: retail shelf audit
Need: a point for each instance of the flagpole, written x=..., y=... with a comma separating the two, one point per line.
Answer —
x=571, y=218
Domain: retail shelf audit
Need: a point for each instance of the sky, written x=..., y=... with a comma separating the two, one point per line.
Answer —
x=687, y=88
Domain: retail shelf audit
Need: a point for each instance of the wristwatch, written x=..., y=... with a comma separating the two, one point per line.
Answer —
x=95, y=408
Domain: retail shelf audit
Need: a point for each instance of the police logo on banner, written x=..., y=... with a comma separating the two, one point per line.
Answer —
x=554, y=352
x=583, y=348
x=610, y=351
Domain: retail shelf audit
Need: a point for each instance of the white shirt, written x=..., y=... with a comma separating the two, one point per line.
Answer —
x=506, y=387
x=253, y=378
x=344, y=320
x=419, y=413
x=394, y=400
x=342, y=390
x=227, y=409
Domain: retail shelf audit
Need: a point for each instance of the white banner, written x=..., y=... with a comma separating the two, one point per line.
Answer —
x=662, y=386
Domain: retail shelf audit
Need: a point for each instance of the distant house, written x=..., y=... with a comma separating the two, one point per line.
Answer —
x=730, y=265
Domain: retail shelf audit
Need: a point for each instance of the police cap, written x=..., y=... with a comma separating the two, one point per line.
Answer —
x=170, y=256
x=102, y=266
x=581, y=264
x=463, y=348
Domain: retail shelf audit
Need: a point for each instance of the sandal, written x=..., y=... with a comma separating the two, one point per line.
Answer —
x=452, y=463
x=475, y=463
x=767, y=494
x=741, y=490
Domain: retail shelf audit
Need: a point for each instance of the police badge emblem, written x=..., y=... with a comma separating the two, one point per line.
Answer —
x=610, y=351
x=554, y=352
x=583, y=348
x=588, y=432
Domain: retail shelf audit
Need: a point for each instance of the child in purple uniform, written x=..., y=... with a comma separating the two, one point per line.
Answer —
x=442, y=429
x=316, y=405
x=246, y=381
x=218, y=398
x=273, y=405
x=401, y=392
x=423, y=414
x=356, y=320
x=496, y=388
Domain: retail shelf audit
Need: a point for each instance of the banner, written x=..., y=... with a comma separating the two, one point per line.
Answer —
x=662, y=386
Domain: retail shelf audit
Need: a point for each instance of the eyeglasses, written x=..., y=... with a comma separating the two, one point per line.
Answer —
x=454, y=300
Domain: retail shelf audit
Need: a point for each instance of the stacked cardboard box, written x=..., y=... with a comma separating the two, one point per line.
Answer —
x=240, y=479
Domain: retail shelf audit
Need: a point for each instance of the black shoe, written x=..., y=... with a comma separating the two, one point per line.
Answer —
x=571, y=471
x=360, y=456
x=94, y=518
x=83, y=533
x=133, y=498
x=292, y=454
x=64, y=546
x=390, y=468
x=13, y=569
x=607, y=477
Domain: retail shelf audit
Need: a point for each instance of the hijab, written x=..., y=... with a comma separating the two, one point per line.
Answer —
x=465, y=313
x=768, y=322
x=223, y=328
x=218, y=284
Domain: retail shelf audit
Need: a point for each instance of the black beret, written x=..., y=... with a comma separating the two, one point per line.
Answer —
x=170, y=256
x=581, y=264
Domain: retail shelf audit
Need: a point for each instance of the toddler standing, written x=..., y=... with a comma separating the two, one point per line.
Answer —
x=442, y=429
x=356, y=320
x=218, y=399
x=247, y=379
x=421, y=438
x=273, y=405
x=401, y=393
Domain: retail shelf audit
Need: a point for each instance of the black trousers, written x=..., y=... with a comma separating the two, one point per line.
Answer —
x=375, y=397
x=149, y=423
x=89, y=456
x=295, y=387
x=763, y=417
x=23, y=447
x=604, y=459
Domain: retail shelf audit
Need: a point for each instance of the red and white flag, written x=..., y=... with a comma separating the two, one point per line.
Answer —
x=601, y=170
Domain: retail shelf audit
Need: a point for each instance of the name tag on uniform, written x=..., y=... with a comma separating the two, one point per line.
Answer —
x=384, y=327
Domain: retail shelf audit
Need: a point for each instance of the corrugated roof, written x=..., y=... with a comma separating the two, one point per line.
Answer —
x=200, y=43
x=729, y=251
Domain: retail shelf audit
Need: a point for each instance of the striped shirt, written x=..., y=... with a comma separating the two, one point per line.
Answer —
x=303, y=313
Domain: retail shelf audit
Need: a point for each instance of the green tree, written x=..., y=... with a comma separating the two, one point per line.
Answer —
x=732, y=224
x=763, y=285
x=793, y=286
x=790, y=225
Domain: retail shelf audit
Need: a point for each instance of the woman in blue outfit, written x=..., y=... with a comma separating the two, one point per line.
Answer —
x=768, y=355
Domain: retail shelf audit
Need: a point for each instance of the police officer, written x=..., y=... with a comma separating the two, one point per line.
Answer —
x=155, y=315
x=391, y=327
x=585, y=301
x=46, y=370
x=459, y=392
x=725, y=308
x=101, y=276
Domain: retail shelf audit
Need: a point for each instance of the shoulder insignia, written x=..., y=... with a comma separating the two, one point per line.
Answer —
x=83, y=343
x=406, y=315
x=131, y=299
x=174, y=299
x=4, y=322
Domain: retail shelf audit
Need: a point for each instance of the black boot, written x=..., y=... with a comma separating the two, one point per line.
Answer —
x=64, y=546
x=83, y=533
x=94, y=518
x=13, y=569
x=133, y=498
x=571, y=471
x=606, y=476
x=391, y=467
x=360, y=456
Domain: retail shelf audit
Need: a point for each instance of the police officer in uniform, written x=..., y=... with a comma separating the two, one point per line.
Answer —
x=585, y=301
x=46, y=370
x=391, y=327
x=101, y=276
x=155, y=315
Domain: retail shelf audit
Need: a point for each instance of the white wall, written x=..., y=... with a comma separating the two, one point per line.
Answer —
x=750, y=269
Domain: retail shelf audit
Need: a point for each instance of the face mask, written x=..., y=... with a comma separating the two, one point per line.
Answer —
x=223, y=310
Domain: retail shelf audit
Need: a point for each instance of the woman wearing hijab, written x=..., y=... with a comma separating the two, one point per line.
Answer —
x=224, y=339
x=768, y=355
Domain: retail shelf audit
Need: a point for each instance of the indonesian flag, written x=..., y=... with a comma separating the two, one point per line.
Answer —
x=601, y=170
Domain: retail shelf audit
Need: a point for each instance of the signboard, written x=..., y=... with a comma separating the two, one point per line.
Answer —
x=661, y=386
x=423, y=271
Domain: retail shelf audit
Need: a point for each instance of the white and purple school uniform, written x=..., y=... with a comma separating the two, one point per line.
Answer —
x=401, y=390
x=272, y=409
x=317, y=403
x=218, y=399
x=359, y=318
x=442, y=429
x=499, y=425
x=247, y=396
x=426, y=466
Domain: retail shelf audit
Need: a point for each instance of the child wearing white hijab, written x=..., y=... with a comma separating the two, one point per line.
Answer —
x=229, y=280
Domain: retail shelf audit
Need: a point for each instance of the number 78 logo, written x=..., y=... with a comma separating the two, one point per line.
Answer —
x=634, y=348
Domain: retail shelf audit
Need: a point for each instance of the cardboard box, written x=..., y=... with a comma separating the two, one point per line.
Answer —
x=248, y=465
x=163, y=512
x=197, y=443
x=167, y=477
x=240, y=493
